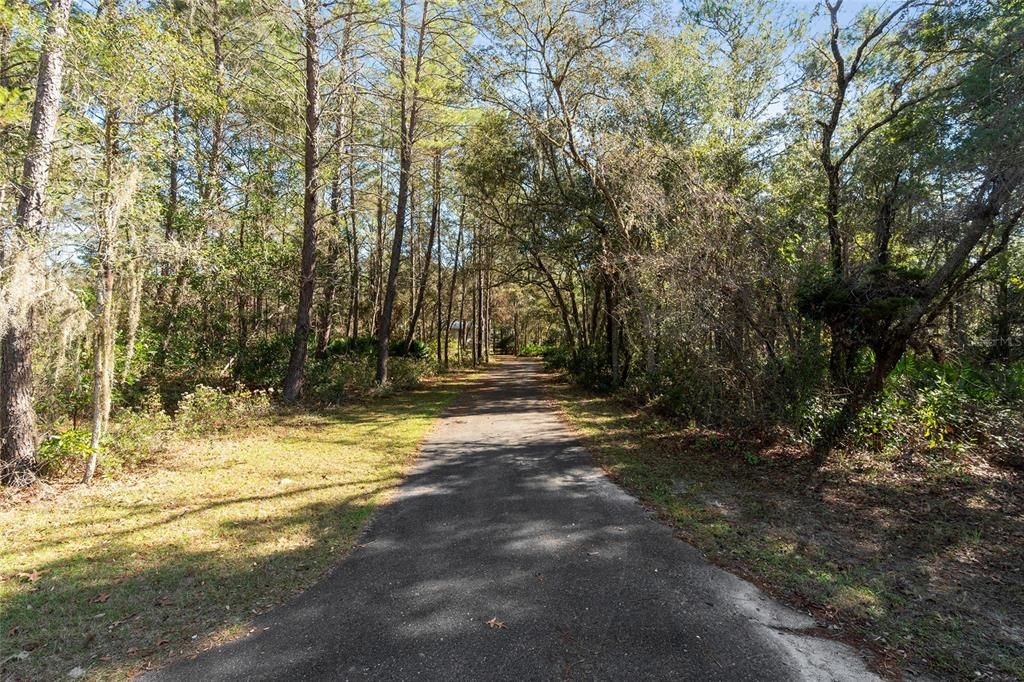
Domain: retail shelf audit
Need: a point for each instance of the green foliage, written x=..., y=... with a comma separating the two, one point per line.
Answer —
x=63, y=452
x=416, y=350
x=208, y=409
x=933, y=406
x=535, y=350
x=342, y=377
x=366, y=346
x=136, y=436
x=586, y=366
x=264, y=362
x=360, y=345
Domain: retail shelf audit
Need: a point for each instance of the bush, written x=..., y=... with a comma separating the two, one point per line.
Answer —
x=211, y=409
x=62, y=452
x=264, y=362
x=136, y=436
x=409, y=372
x=359, y=345
x=366, y=346
x=585, y=366
x=341, y=377
x=534, y=350
x=931, y=406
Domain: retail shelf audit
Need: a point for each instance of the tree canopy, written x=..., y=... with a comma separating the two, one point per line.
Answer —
x=747, y=211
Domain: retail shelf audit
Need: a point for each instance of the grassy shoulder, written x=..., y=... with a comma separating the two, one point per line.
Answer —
x=130, y=572
x=922, y=561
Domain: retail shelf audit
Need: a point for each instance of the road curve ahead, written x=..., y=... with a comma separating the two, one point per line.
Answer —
x=507, y=555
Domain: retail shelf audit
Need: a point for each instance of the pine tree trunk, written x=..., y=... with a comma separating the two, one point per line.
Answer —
x=311, y=196
x=17, y=417
x=354, y=237
x=323, y=332
x=451, y=288
x=408, y=107
x=421, y=289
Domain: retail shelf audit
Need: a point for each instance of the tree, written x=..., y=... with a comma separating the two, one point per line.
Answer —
x=310, y=203
x=408, y=112
x=17, y=415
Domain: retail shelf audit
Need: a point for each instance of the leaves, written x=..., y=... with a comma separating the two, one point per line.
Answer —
x=32, y=577
x=496, y=624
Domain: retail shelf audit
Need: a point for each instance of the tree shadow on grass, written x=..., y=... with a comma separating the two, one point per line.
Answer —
x=92, y=611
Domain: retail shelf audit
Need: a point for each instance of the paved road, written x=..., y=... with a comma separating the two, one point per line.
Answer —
x=505, y=517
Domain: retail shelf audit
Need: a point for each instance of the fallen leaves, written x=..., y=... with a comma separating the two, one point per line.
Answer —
x=32, y=577
x=100, y=598
x=496, y=624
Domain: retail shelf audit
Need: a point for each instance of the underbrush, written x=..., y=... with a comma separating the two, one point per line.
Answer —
x=155, y=409
x=343, y=377
x=947, y=410
x=137, y=435
x=536, y=350
x=917, y=557
x=928, y=408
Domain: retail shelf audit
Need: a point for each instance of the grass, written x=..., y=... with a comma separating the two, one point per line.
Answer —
x=923, y=568
x=128, y=573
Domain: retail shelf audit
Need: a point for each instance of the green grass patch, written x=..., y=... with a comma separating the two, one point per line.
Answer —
x=130, y=572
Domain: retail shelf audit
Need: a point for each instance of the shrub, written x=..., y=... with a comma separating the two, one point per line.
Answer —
x=409, y=372
x=359, y=345
x=341, y=377
x=264, y=362
x=62, y=452
x=137, y=435
x=534, y=350
x=583, y=365
x=211, y=409
x=366, y=346
x=417, y=350
x=951, y=406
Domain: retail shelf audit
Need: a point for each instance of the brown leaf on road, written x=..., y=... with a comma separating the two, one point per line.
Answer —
x=496, y=624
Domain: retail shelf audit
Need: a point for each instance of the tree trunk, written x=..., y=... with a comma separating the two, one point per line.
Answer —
x=451, y=287
x=407, y=114
x=440, y=288
x=115, y=198
x=134, y=314
x=300, y=341
x=103, y=355
x=378, y=264
x=487, y=310
x=462, y=316
x=171, y=210
x=17, y=417
x=323, y=332
x=611, y=333
x=478, y=323
x=421, y=289
x=354, y=237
